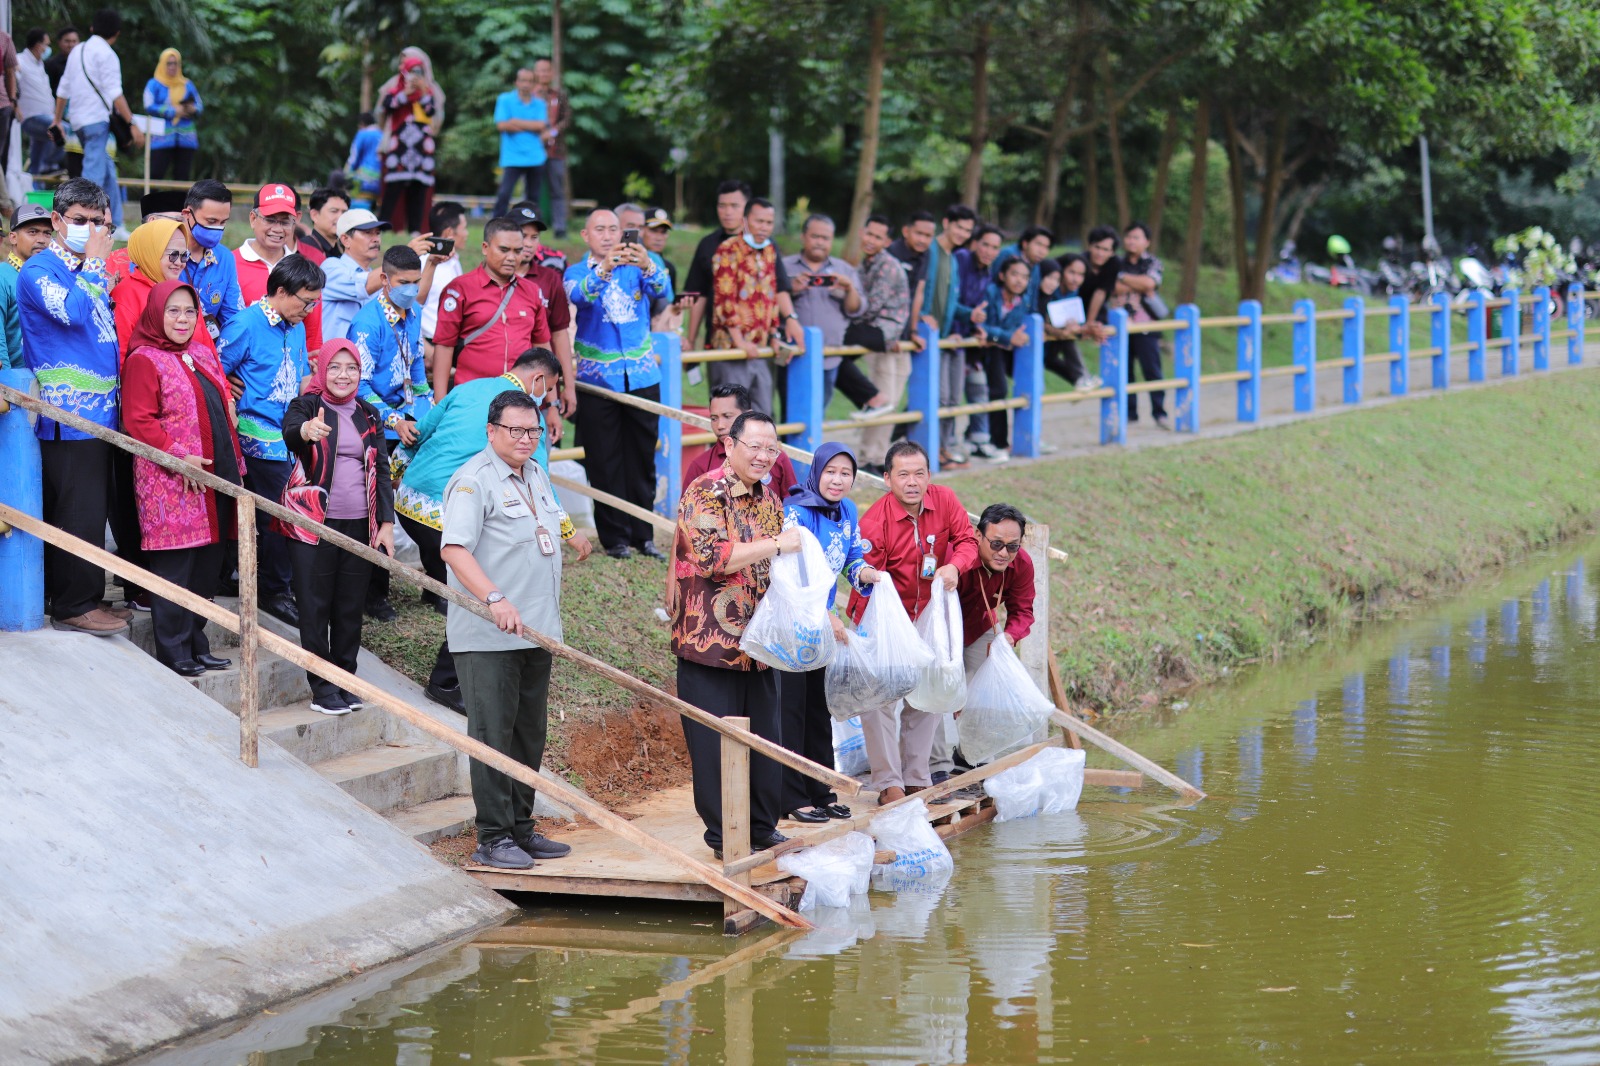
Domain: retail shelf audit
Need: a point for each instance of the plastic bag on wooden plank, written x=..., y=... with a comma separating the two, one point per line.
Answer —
x=919, y=854
x=881, y=662
x=1004, y=707
x=849, y=747
x=1060, y=778
x=833, y=870
x=942, y=689
x=790, y=629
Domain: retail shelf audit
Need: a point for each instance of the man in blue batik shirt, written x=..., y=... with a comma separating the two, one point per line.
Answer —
x=610, y=292
x=264, y=348
x=70, y=344
x=206, y=210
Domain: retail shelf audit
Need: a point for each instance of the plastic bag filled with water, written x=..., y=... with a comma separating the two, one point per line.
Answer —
x=882, y=660
x=1004, y=707
x=849, y=747
x=833, y=871
x=942, y=689
x=919, y=855
x=790, y=629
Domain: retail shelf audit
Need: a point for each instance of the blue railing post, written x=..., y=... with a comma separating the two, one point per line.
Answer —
x=805, y=396
x=21, y=487
x=1477, y=335
x=923, y=394
x=1114, y=375
x=669, y=439
x=1400, y=342
x=1575, y=324
x=1439, y=339
x=1027, y=428
x=1305, y=355
x=1541, y=327
x=1511, y=332
x=1186, y=359
x=1355, y=348
x=1249, y=347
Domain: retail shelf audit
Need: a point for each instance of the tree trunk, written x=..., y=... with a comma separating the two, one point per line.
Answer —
x=1091, y=172
x=1158, y=194
x=1266, y=224
x=1310, y=196
x=1044, y=208
x=555, y=41
x=366, y=77
x=1195, y=234
x=1236, y=180
x=867, y=165
x=1119, y=178
x=972, y=174
x=777, y=172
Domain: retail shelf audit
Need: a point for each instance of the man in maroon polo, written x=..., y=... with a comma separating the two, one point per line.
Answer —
x=727, y=403
x=919, y=534
x=489, y=316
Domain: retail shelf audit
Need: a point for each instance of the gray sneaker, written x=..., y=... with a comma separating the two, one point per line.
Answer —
x=502, y=854
x=542, y=847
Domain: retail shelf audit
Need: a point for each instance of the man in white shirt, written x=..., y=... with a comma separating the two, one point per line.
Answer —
x=90, y=90
x=36, y=104
x=448, y=219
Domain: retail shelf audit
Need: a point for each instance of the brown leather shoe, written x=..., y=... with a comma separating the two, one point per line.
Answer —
x=95, y=622
x=912, y=790
x=121, y=613
x=890, y=794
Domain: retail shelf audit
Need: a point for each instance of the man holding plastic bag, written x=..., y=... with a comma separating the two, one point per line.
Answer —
x=919, y=534
x=729, y=531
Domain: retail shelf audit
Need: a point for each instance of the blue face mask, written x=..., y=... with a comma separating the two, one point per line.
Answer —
x=48, y=52
x=77, y=237
x=754, y=245
x=206, y=236
x=403, y=296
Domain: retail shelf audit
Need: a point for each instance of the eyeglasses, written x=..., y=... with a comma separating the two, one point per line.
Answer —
x=84, y=220
x=518, y=432
x=181, y=313
x=771, y=453
x=343, y=370
x=276, y=223
x=1010, y=547
x=307, y=304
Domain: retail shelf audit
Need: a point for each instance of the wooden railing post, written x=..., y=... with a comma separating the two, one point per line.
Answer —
x=1114, y=376
x=1439, y=338
x=1355, y=348
x=249, y=597
x=1541, y=327
x=669, y=442
x=1511, y=333
x=1187, y=365
x=1305, y=356
x=1249, y=359
x=735, y=810
x=1400, y=344
x=1575, y=324
x=1477, y=335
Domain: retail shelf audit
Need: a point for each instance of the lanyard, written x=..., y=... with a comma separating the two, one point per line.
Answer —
x=523, y=490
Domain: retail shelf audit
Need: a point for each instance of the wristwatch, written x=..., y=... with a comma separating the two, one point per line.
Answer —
x=494, y=597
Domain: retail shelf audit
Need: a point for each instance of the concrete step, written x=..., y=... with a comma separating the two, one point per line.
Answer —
x=141, y=630
x=436, y=819
x=392, y=776
x=314, y=737
x=282, y=683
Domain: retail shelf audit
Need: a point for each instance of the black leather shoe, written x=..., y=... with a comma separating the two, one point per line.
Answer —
x=284, y=609
x=813, y=815
x=619, y=551
x=213, y=662
x=763, y=843
x=938, y=777
x=187, y=668
x=542, y=847
x=382, y=611
x=837, y=810
x=649, y=550
x=450, y=697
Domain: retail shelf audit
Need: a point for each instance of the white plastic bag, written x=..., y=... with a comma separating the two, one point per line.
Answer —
x=1060, y=778
x=882, y=661
x=920, y=855
x=1015, y=792
x=849, y=747
x=942, y=688
x=790, y=629
x=1004, y=707
x=833, y=871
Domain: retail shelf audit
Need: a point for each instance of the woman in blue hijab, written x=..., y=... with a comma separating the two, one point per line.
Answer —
x=823, y=506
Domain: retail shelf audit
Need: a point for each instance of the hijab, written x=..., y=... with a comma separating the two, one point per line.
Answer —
x=318, y=386
x=148, y=244
x=1047, y=268
x=151, y=331
x=177, y=85
x=397, y=83
x=810, y=494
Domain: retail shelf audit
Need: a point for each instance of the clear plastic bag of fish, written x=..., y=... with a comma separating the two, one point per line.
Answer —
x=833, y=871
x=942, y=689
x=882, y=660
x=790, y=629
x=1060, y=778
x=849, y=747
x=1015, y=792
x=919, y=855
x=1004, y=707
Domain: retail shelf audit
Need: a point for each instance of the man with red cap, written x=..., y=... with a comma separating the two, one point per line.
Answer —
x=272, y=220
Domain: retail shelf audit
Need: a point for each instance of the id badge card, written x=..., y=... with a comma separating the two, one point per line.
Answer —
x=547, y=543
x=929, y=565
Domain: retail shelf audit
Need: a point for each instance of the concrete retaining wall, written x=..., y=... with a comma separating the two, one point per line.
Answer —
x=152, y=886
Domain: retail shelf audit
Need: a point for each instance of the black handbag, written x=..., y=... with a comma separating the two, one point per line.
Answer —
x=121, y=128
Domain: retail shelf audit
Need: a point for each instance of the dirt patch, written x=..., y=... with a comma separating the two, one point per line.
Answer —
x=625, y=754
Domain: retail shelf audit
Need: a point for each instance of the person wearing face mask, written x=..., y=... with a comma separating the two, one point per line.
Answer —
x=206, y=210
x=748, y=310
x=264, y=348
x=69, y=341
x=448, y=435
x=823, y=506
x=175, y=398
x=340, y=479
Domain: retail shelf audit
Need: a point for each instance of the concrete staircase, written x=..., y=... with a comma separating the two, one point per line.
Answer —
x=417, y=783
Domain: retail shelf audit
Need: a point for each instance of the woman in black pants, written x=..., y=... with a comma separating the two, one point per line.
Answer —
x=341, y=479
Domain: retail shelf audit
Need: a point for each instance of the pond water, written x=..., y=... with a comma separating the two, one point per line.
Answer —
x=1399, y=860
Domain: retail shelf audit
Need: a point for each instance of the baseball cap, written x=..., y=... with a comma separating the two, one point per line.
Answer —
x=358, y=218
x=26, y=213
x=526, y=213
x=657, y=218
x=277, y=199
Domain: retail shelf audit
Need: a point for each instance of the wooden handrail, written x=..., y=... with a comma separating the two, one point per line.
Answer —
x=827, y=775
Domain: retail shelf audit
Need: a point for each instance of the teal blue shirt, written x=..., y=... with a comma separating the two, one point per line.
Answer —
x=11, y=334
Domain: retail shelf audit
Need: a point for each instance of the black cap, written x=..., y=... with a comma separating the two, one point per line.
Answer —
x=526, y=213
x=657, y=218
x=162, y=202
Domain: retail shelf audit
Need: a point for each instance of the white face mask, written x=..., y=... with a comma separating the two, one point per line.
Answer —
x=77, y=238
